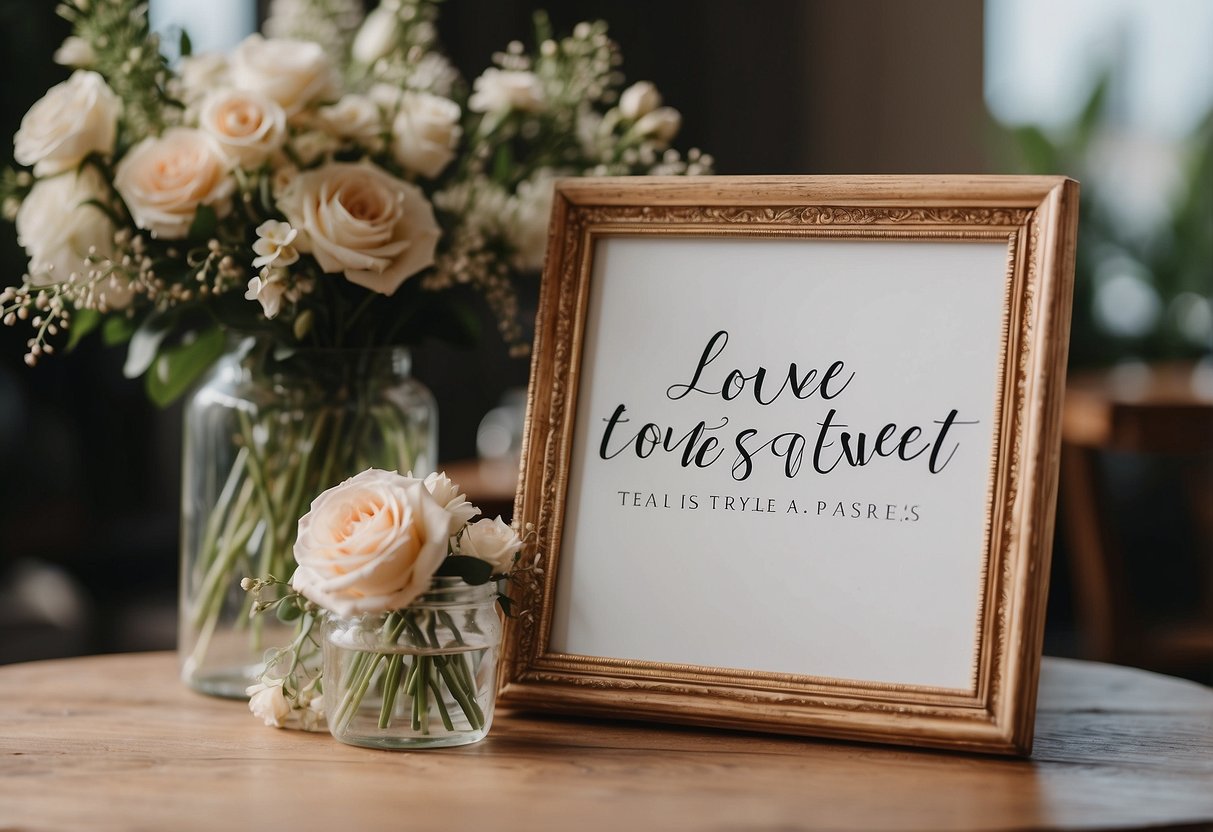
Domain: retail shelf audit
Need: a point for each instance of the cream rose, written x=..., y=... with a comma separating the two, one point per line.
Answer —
x=638, y=100
x=452, y=498
x=425, y=132
x=354, y=118
x=57, y=228
x=662, y=125
x=362, y=222
x=312, y=146
x=200, y=74
x=500, y=90
x=493, y=541
x=164, y=180
x=245, y=126
x=371, y=544
x=293, y=73
x=74, y=118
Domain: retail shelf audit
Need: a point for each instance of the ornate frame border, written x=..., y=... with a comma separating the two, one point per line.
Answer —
x=1037, y=217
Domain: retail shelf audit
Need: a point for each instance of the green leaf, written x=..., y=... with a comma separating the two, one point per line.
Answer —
x=204, y=224
x=506, y=603
x=179, y=367
x=185, y=47
x=503, y=164
x=1039, y=153
x=289, y=610
x=145, y=343
x=474, y=571
x=117, y=330
x=83, y=322
x=1092, y=113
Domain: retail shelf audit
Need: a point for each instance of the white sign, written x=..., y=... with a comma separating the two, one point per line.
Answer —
x=802, y=427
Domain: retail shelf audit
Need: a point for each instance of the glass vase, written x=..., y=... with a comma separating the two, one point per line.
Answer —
x=424, y=676
x=264, y=435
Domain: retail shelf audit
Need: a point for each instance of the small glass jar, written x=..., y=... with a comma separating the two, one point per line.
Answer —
x=424, y=676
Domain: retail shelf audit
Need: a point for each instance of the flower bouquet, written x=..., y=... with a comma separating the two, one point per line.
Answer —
x=280, y=221
x=396, y=586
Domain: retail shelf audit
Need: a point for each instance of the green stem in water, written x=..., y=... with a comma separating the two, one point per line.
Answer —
x=391, y=687
x=438, y=700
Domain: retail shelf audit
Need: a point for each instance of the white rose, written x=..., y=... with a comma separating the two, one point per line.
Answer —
x=363, y=222
x=377, y=35
x=354, y=118
x=294, y=73
x=245, y=126
x=268, y=703
x=57, y=228
x=639, y=99
x=425, y=132
x=371, y=544
x=74, y=118
x=199, y=74
x=386, y=96
x=452, y=498
x=527, y=219
x=493, y=541
x=164, y=180
x=499, y=90
x=662, y=125
x=75, y=52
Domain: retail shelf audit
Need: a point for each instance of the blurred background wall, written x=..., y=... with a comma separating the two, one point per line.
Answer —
x=1114, y=92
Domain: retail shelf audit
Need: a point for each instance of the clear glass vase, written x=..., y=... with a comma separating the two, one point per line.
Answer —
x=425, y=676
x=264, y=435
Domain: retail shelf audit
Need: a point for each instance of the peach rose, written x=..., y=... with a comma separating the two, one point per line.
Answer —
x=371, y=544
x=363, y=222
x=164, y=180
x=245, y=126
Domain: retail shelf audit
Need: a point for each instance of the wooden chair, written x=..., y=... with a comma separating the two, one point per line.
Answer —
x=1162, y=409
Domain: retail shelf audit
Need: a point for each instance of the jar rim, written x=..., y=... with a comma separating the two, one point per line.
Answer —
x=460, y=592
x=444, y=591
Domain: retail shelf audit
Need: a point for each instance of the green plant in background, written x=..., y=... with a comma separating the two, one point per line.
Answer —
x=1144, y=294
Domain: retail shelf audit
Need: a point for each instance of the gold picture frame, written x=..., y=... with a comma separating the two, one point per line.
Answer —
x=1035, y=218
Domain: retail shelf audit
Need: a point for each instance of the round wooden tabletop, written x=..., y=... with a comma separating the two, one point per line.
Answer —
x=116, y=742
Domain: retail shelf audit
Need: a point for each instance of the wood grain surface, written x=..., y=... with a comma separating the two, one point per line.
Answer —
x=116, y=742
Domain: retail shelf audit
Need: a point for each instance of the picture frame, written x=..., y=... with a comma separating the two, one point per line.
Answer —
x=875, y=365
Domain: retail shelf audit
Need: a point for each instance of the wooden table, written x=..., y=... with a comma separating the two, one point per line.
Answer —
x=115, y=742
